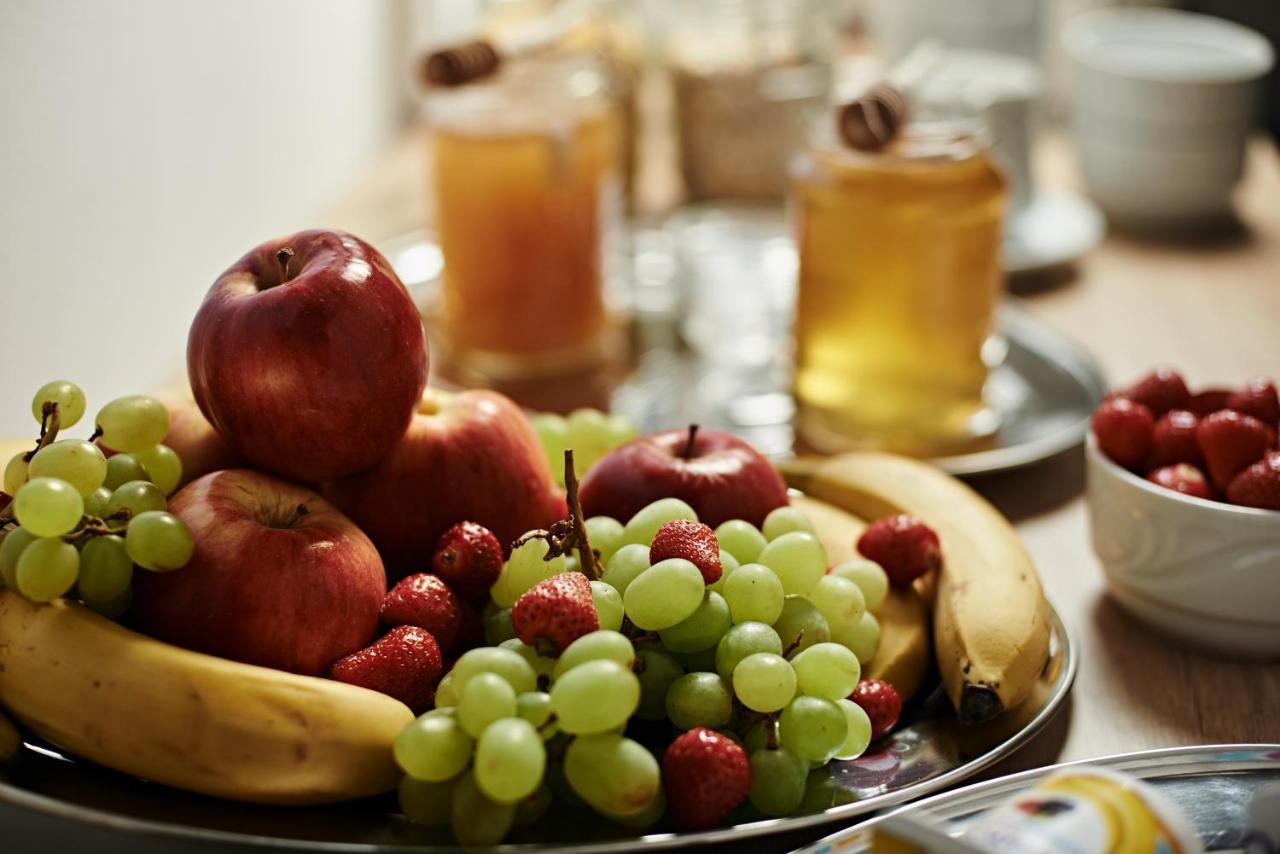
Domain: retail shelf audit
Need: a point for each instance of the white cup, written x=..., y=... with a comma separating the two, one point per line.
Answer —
x=1163, y=102
x=1002, y=88
x=1001, y=26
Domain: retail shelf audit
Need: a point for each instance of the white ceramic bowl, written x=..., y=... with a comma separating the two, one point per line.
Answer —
x=1204, y=571
x=1162, y=103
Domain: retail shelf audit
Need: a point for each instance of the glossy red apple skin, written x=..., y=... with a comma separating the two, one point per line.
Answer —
x=724, y=478
x=469, y=457
x=200, y=447
x=314, y=373
x=295, y=597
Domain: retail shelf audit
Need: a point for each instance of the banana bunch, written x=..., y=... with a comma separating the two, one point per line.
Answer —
x=190, y=720
x=990, y=619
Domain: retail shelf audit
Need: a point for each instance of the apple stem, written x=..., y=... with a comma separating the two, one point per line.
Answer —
x=283, y=256
x=50, y=423
x=298, y=512
x=586, y=554
x=687, y=453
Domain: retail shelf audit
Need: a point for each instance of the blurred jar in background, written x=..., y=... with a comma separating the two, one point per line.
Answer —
x=612, y=32
x=899, y=255
x=748, y=76
x=524, y=174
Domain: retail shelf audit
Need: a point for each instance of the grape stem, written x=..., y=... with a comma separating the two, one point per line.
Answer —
x=97, y=526
x=567, y=534
x=786, y=653
x=687, y=453
x=50, y=424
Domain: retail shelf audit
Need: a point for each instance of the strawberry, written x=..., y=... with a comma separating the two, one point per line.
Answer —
x=881, y=702
x=556, y=611
x=1259, y=399
x=1159, y=391
x=1230, y=442
x=1183, y=478
x=404, y=664
x=1258, y=485
x=706, y=775
x=693, y=541
x=1123, y=429
x=469, y=559
x=1209, y=401
x=903, y=545
x=427, y=602
x=1173, y=440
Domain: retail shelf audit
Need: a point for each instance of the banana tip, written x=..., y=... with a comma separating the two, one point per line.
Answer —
x=979, y=704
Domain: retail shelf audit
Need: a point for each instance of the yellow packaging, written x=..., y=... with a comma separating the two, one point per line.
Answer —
x=1085, y=811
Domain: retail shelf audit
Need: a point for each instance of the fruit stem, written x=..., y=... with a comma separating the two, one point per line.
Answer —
x=50, y=423
x=794, y=645
x=586, y=555
x=97, y=526
x=687, y=453
x=283, y=256
x=771, y=731
x=298, y=512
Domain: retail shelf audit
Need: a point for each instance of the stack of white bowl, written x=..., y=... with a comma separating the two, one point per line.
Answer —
x=1163, y=102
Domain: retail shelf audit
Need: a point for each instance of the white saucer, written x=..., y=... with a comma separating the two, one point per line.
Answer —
x=1054, y=229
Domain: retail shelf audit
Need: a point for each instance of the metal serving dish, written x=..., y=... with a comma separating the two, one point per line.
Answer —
x=51, y=802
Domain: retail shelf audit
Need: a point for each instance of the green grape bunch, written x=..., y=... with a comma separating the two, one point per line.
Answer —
x=589, y=432
x=79, y=521
x=768, y=654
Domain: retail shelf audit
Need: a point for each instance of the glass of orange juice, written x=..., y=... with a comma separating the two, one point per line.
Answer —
x=899, y=258
x=524, y=173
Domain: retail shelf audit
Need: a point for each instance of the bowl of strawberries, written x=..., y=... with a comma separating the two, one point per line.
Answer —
x=1183, y=493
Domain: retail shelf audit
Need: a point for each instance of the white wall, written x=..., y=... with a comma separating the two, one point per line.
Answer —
x=147, y=144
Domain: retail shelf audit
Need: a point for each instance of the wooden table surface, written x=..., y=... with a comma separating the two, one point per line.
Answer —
x=1210, y=307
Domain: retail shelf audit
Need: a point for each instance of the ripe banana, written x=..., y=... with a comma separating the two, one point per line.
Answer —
x=990, y=620
x=190, y=720
x=903, y=657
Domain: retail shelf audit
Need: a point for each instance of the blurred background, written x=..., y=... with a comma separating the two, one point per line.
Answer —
x=146, y=145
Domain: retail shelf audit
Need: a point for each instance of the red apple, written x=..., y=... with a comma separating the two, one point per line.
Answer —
x=719, y=475
x=470, y=457
x=278, y=578
x=199, y=446
x=308, y=356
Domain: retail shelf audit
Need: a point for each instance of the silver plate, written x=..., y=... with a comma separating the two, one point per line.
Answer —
x=1044, y=389
x=1212, y=785
x=52, y=802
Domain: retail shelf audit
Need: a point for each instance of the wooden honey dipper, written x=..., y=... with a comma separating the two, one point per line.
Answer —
x=463, y=63
x=871, y=121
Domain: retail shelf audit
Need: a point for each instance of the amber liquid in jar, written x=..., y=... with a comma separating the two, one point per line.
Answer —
x=525, y=187
x=899, y=255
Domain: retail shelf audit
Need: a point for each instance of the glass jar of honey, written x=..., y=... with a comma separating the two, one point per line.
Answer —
x=524, y=173
x=899, y=278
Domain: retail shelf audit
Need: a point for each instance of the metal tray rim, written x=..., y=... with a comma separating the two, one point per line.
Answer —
x=1163, y=762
